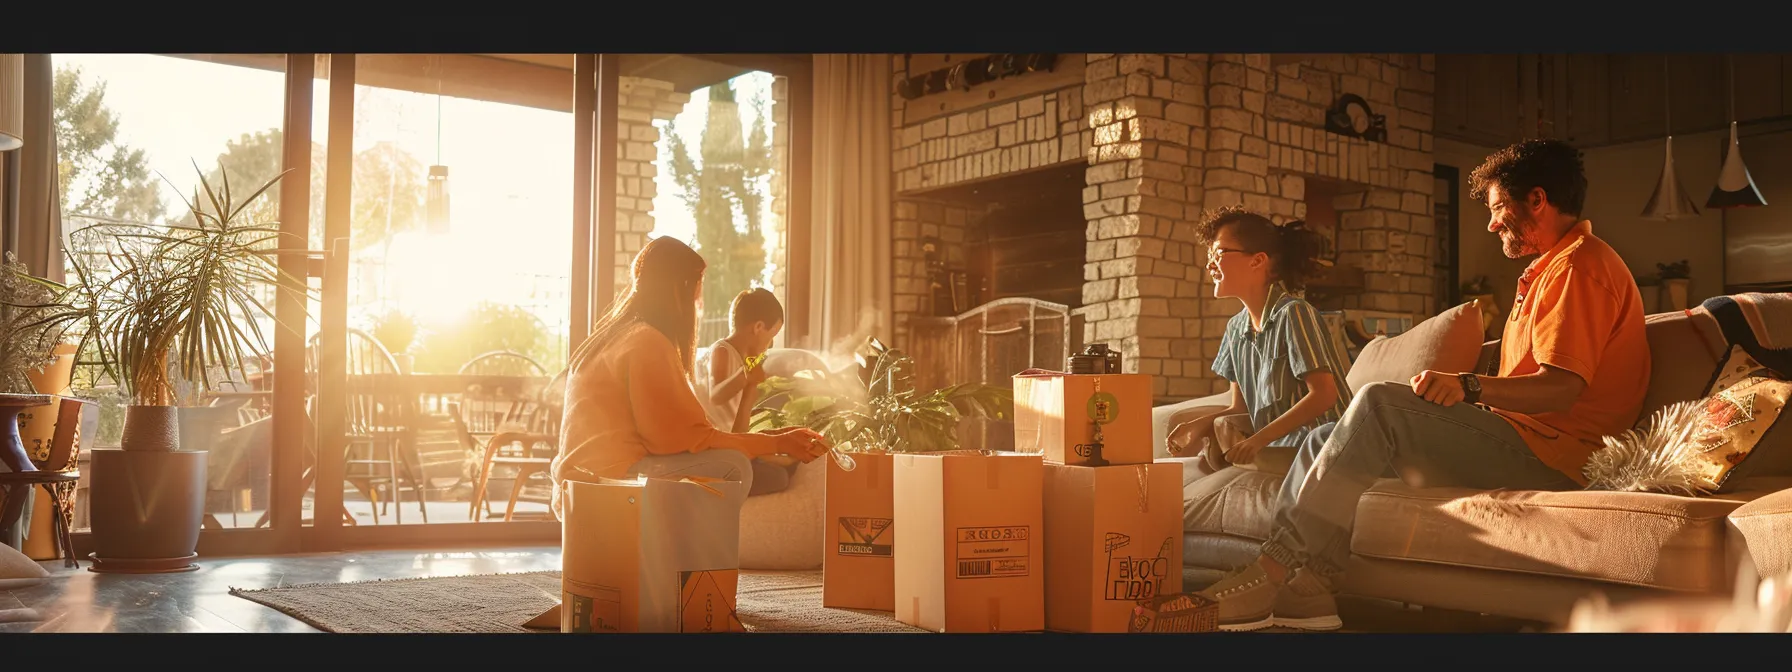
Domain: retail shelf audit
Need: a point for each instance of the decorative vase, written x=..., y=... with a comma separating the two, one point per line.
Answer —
x=1676, y=293
x=1651, y=298
x=12, y=448
x=151, y=429
x=57, y=376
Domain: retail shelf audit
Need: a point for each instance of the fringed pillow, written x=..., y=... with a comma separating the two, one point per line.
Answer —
x=1695, y=447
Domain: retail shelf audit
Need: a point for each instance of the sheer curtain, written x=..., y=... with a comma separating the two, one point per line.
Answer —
x=27, y=109
x=849, y=262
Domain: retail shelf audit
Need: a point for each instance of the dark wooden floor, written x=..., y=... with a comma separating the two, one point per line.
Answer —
x=77, y=600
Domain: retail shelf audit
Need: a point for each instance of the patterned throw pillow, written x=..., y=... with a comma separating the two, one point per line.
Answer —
x=1737, y=436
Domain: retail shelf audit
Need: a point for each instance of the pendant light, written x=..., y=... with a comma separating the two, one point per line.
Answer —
x=436, y=207
x=1735, y=188
x=1669, y=201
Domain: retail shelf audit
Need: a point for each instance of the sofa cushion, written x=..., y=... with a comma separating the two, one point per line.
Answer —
x=18, y=571
x=1684, y=349
x=1234, y=501
x=1640, y=539
x=1450, y=341
x=1765, y=528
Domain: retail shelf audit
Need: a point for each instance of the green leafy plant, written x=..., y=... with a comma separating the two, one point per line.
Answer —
x=1679, y=270
x=874, y=407
x=396, y=330
x=25, y=342
x=178, y=302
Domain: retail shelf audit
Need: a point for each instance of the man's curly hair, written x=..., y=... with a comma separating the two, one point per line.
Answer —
x=1553, y=165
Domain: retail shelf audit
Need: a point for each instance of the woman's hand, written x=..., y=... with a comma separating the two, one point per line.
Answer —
x=1187, y=437
x=801, y=443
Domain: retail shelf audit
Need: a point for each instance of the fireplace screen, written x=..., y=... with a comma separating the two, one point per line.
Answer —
x=989, y=344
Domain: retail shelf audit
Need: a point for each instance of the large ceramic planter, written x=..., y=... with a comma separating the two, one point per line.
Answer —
x=56, y=377
x=147, y=498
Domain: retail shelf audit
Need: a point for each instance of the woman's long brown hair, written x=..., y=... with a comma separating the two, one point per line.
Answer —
x=662, y=292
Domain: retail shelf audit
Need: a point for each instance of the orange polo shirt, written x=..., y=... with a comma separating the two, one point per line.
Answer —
x=1578, y=309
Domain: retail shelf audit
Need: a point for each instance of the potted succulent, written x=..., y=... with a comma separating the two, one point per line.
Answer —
x=1676, y=279
x=1649, y=286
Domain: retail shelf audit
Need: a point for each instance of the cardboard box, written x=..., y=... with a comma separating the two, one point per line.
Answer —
x=1113, y=539
x=971, y=541
x=858, y=566
x=1055, y=413
x=648, y=555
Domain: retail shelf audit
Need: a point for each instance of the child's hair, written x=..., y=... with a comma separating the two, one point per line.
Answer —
x=755, y=305
x=1293, y=249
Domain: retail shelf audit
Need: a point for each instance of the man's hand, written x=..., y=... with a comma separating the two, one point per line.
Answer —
x=1437, y=387
x=1245, y=450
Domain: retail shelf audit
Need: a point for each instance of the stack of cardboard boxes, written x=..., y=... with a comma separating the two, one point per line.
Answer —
x=1073, y=532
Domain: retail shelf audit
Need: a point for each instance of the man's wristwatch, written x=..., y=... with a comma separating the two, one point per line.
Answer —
x=1471, y=388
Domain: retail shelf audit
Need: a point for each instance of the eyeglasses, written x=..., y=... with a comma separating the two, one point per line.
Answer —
x=1213, y=255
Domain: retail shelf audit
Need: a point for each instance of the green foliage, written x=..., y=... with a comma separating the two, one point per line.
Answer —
x=255, y=158
x=724, y=195
x=97, y=174
x=396, y=330
x=875, y=407
x=25, y=339
x=1679, y=270
x=487, y=327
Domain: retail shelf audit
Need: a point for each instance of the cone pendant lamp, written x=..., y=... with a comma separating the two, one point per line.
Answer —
x=1669, y=200
x=1734, y=188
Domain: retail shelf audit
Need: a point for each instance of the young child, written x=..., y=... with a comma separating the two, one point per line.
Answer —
x=727, y=381
x=1284, y=368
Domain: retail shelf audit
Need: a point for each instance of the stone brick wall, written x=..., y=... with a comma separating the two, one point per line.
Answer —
x=1166, y=136
x=916, y=220
x=642, y=103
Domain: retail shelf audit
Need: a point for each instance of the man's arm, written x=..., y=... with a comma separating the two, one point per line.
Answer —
x=1549, y=390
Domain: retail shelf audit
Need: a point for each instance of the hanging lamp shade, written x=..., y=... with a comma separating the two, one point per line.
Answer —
x=9, y=142
x=1735, y=188
x=436, y=207
x=1669, y=201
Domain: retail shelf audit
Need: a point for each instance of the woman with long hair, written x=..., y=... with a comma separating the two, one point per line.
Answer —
x=630, y=409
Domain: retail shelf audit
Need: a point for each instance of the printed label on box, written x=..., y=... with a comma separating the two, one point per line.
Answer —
x=703, y=606
x=992, y=552
x=602, y=613
x=862, y=537
x=1133, y=578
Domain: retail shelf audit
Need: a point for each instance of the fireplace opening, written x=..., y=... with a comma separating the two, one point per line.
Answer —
x=1026, y=236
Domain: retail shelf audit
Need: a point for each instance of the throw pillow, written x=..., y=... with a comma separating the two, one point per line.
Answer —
x=18, y=571
x=1705, y=445
x=1450, y=341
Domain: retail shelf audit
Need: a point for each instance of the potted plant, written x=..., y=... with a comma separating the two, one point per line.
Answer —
x=1649, y=286
x=1676, y=279
x=874, y=407
x=176, y=309
x=397, y=331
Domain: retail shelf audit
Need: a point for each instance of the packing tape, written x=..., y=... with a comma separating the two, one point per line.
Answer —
x=995, y=614
x=871, y=468
x=1144, y=473
x=992, y=471
x=914, y=608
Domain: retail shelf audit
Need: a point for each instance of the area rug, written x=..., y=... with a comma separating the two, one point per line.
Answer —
x=767, y=602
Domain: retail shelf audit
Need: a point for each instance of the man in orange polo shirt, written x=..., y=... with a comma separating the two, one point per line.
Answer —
x=1574, y=365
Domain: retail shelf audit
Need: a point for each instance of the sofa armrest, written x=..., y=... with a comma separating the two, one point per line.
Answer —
x=1765, y=527
x=1166, y=417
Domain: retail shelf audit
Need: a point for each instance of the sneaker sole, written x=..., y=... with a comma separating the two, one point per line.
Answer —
x=1249, y=626
x=1315, y=623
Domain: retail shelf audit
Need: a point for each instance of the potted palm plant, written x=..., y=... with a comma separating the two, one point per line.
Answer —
x=179, y=309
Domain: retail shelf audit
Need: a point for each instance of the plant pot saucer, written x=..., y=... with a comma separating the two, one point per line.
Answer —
x=142, y=565
x=25, y=400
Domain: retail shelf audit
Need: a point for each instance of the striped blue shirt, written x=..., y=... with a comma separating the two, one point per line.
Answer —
x=1269, y=365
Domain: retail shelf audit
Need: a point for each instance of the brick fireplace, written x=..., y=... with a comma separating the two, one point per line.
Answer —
x=984, y=175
